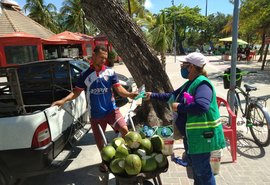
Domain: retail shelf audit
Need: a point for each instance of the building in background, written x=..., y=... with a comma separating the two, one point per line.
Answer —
x=24, y=40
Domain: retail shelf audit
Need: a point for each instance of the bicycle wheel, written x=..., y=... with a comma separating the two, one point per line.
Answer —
x=259, y=124
x=236, y=101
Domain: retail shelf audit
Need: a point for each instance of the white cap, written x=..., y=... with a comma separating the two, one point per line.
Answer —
x=195, y=58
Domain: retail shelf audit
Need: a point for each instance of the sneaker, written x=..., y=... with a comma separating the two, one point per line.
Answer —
x=181, y=162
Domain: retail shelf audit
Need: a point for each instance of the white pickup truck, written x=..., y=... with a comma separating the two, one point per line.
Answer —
x=36, y=138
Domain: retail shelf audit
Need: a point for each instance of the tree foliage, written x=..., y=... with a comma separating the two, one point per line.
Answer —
x=255, y=17
x=160, y=36
x=255, y=21
x=73, y=18
x=187, y=20
x=42, y=13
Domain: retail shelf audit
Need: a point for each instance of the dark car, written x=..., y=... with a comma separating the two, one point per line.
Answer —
x=55, y=81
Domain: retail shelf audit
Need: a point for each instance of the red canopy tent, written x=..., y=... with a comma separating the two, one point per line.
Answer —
x=70, y=38
x=11, y=43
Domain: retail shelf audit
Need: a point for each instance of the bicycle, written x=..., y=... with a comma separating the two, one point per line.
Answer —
x=253, y=109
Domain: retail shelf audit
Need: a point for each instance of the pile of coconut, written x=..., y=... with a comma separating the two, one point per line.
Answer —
x=134, y=154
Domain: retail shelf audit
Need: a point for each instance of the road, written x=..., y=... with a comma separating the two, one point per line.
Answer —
x=83, y=166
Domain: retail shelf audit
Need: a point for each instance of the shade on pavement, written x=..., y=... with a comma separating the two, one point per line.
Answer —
x=229, y=39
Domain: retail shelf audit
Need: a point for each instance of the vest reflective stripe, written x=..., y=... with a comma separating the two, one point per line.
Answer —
x=199, y=125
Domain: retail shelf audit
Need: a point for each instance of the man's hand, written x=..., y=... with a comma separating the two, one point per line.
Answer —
x=58, y=103
x=132, y=95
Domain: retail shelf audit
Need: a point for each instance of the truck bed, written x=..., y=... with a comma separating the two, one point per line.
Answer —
x=31, y=87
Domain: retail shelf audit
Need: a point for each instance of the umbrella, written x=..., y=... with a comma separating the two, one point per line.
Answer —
x=229, y=39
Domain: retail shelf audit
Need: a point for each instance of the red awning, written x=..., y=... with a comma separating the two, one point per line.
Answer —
x=66, y=35
x=20, y=38
x=19, y=34
x=84, y=36
x=54, y=41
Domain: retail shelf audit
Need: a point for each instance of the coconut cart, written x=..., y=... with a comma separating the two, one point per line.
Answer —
x=142, y=177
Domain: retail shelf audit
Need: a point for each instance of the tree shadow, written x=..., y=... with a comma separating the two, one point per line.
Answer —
x=89, y=139
x=260, y=77
x=81, y=176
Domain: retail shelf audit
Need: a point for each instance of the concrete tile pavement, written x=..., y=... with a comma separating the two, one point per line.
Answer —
x=253, y=163
x=251, y=168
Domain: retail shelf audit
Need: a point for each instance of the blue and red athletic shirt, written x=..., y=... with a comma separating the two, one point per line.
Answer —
x=98, y=86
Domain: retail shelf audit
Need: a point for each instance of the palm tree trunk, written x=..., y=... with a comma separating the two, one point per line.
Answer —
x=262, y=47
x=265, y=55
x=128, y=40
x=163, y=60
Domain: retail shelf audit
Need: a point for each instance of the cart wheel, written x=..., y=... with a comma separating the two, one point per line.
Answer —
x=147, y=183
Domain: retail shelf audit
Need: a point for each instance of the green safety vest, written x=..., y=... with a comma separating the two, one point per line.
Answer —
x=198, y=126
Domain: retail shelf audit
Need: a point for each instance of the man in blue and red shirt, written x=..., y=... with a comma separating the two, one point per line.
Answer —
x=98, y=81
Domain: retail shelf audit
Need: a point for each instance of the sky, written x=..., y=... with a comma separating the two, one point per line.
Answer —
x=214, y=6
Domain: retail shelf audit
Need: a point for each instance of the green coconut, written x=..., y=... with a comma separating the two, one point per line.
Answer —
x=107, y=153
x=157, y=143
x=133, y=139
x=140, y=152
x=117, y=142
x=147, y=146
x=153, y=154
x=117, y=166
x=122, y=151
x=133, y=164
x=161, y=160
x=142, y=134
x=148, y=164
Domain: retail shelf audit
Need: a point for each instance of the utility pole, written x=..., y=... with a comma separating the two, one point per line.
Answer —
x=206, y=6
x=234, y=52
x=174, y=35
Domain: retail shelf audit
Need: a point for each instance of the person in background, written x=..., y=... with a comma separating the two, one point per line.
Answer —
x=199, y=120
x=239, y=53
x=98, y=82
x=247, y=52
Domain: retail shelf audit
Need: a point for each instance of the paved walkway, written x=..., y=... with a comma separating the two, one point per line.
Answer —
x=251, y=168
x=253, y=163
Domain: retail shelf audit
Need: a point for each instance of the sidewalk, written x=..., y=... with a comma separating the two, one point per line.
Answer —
x=251, y=168
x=253, y=163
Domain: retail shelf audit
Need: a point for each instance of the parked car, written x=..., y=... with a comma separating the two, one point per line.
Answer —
x=62, y=87
x=35, y=137
x=38, y=138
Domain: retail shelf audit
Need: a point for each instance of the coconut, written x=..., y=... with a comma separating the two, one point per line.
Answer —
x=140, y=152
x=107, y=153
x=161, y=160
x=148, y=164
x=157, y=143
x=147, y=146
x=117, y=166
x=122, y=151
x=133, y=164
x=153, y=154
x=117, y=142
x=142, y=134
x=133, y=139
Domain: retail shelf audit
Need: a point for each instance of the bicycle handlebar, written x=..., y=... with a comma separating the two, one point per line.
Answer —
x=238, y=75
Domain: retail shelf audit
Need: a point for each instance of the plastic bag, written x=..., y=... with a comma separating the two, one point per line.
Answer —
x=141, y=93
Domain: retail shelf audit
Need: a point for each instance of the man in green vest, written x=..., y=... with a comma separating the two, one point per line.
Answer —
x=196, y=117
